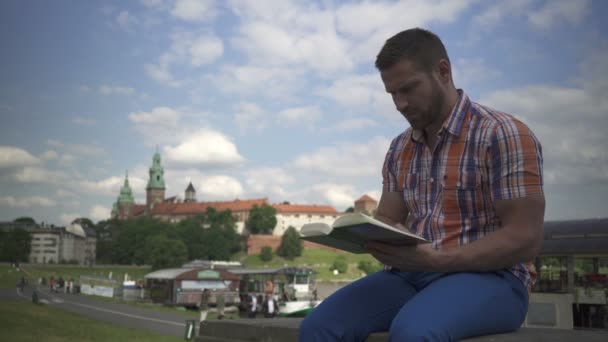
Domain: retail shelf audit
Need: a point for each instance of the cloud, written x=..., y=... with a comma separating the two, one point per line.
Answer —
x=84, y=121
x=194, y=10
x=61, y=193
x=352, y=124
x=300, y=116
x=109, y=186
x=338, y=195
x=163, y=116
x=470, y=72
x=161, y=74
x=220, y=188
x=277, y=83
x=152, y=3
x=99, y=213
x=574, y=146
x=556, y=12
x=267, y=44
x=249, y=116
x=206, y=148
x=269, y=181
x=105, y=89
x=346, y=159
x=492, y=15
x=82, y=150
x=26, y=202
x=361, y=93
x=11, y=157
x=68, y=218
x=38, y=175
x=189, y=49
x=552, y=13
x=205, y=50
x=126, y=21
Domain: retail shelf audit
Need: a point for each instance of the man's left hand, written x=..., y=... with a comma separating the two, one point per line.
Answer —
x=418, y=258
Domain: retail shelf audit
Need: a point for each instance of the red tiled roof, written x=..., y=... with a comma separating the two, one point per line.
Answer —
x=186, y=208
x=138, y=209
x=305, y=209
x=365, y=198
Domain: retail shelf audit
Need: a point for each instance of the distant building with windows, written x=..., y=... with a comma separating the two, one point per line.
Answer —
x=52, y=244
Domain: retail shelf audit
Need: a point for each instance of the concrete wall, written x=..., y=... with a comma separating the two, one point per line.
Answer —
x=550, y=310
x=256, y=242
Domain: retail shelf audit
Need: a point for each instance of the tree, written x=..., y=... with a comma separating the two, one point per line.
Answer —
x=16, y=245
x=128, y=241
x=266, y=254
x=84, y=222
x=368, y=267
x=211, y=235
x=162, y=252
x=350, y=210
x=291, y=245
x=262, y=219
x=340, y=264
x=25, y=219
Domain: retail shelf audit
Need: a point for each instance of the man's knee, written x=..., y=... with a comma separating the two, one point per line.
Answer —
x=314, y=327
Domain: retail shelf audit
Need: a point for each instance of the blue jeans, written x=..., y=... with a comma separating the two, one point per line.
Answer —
x=420, y=306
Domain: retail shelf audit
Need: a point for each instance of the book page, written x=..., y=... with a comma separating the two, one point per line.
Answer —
x=315, y=229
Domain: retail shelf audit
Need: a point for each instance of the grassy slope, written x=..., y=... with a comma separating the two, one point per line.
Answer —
x=24, y=321
x=317, y=259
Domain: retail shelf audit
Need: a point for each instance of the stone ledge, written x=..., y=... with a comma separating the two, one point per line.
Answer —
x=286, y=330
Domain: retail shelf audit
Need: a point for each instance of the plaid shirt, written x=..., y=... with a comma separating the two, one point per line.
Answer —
x=481, y=156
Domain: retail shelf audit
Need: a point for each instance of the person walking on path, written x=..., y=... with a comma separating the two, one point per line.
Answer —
x=204, y=305
x=221, y=303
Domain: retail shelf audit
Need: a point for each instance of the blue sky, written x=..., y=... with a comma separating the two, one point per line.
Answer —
x=276, y=99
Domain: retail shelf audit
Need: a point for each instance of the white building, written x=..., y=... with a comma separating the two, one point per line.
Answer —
x=59, y=244
x=297, y=215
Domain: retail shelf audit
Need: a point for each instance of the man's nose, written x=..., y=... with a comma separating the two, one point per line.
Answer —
x=400, y=102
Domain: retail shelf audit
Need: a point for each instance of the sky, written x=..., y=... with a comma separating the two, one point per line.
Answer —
x=276, y=99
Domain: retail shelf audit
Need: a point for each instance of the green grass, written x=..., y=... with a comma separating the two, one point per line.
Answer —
x=69, y=271
x=24, y=321
x=318, y=259
x=8, y=276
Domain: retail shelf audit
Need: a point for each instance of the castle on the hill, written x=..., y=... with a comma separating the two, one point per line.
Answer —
x=173, y=209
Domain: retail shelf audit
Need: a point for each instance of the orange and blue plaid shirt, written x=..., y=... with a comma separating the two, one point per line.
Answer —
x=482, y=155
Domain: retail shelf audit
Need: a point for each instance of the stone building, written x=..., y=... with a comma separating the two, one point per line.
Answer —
x=52, y=244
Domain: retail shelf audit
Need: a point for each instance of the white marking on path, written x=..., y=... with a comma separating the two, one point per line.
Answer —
x=128, y=315
x=59, y=301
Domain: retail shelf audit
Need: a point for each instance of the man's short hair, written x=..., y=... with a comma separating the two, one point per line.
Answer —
x=420, y=46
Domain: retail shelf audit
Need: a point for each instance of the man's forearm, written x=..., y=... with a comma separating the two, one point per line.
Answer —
x=501, y=249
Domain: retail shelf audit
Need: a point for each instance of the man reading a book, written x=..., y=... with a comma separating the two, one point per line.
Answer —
x=464, y=176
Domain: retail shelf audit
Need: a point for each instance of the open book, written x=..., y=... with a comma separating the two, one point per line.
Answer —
x=351, y=231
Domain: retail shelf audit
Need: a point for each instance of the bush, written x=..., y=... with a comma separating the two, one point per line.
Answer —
x=368, y=267
x=266, y=254
x=291, y=245
x=340, y=264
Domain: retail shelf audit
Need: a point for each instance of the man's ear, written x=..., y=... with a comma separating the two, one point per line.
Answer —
x=444, y=71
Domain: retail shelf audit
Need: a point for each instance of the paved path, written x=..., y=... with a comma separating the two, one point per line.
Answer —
x=164, y=323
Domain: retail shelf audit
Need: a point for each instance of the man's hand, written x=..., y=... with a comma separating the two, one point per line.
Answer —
x=418, y=258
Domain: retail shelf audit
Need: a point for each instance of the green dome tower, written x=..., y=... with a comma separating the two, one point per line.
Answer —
x=155, y=191
x=125, y=200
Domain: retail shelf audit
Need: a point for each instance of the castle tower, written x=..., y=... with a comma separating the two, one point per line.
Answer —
x=155, y=191
x=190, y=194
x=125, y=202
x=366, y=205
